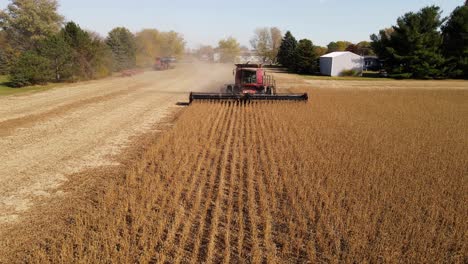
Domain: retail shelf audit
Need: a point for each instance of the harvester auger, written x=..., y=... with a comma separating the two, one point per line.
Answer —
x=251, y=84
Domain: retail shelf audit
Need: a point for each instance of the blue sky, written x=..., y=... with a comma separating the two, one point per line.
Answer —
x=207, y=21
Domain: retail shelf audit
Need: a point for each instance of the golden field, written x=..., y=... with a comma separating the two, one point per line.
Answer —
x=351, y=176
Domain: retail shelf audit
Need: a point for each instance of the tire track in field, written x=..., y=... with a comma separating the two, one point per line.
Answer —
x=268, y=179
x=206, y=191
x=216, y=183
x=279, y=191
x=230, y=220
x=243, y=233
x=305, y=246
x=182, y=247
x=223, y=171
x=191, y=182
x=8, y=126
x=253, y=175
x=176, y=196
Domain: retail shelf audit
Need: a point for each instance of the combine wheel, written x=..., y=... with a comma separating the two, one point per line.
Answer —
x=229, y=89
x=268, y=90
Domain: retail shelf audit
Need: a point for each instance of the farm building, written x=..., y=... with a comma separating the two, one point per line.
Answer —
x=333, y=64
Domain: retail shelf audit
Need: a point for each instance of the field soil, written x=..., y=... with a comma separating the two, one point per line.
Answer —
x=45, y=137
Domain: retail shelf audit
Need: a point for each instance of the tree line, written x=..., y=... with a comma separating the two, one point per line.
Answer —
x=38, y=47
x=303, y=56
x=273, y=49
x=425, y=45
x=421, y=45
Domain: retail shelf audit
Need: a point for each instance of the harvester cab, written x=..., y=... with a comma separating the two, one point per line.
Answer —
x=251, y=82
x=251, y=79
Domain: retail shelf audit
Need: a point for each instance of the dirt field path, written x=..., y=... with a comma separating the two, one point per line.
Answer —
x=47, y=136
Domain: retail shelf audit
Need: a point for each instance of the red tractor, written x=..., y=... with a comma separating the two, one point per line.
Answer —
x=251, y=79
x=162, y=64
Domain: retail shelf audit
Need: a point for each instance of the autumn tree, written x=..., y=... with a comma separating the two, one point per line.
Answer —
x=266, y=42
x=352, y=48
x=102, y=61
x=319, y=51
x=151, y=43
x=229, y=49
x=338, y=46
x=172, y=44
x=364, y=48
x=28, y=21
x=148, y=47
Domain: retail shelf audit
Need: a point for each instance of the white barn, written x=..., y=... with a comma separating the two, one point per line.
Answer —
x=333, y=64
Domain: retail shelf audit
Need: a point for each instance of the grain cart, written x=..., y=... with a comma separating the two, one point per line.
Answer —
x=162, y=64
x=251, y=83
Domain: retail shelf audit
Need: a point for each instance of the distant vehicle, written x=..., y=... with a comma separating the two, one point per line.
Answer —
x=383, y=73
x=162, y=64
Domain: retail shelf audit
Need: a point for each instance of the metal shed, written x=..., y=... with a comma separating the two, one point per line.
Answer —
x=333, y=64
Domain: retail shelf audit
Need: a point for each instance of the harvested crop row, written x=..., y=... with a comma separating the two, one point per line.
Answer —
x=352, y=176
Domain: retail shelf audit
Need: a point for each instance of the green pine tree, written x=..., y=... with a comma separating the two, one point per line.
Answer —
x=412, y=48
x=287, y=49
x=29, y=69
x=59, y=53
x=455, y=45
x=123, y=46
x=305, y=59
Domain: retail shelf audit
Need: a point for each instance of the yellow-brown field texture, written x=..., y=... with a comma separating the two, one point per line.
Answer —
x=351, y=176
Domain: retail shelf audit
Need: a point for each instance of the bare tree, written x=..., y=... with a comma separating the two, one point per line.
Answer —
x=229, y=49
x=266, y=42
x=276, y=38
x=261, y=42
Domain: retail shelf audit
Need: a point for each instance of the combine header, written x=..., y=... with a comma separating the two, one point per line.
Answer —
x=251, y=83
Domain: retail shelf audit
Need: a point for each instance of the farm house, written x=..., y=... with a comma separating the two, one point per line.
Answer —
x=333, y=64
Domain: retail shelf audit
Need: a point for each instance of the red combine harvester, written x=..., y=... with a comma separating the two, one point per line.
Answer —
x=251, y=83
